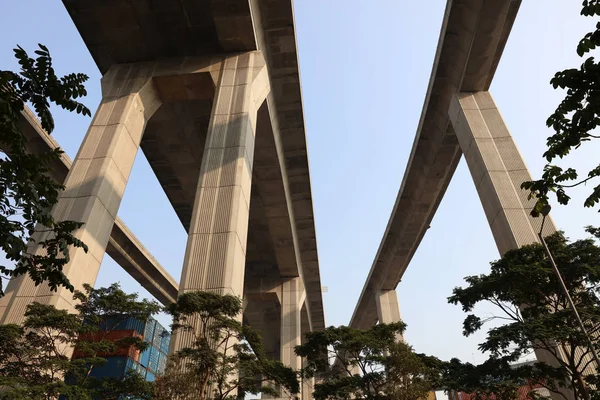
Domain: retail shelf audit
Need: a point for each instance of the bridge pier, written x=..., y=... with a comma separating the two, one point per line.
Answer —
x=276, y=308
x=293, y=295
x=215, y=256
x=94, y=187
x=498, y=170
x=388, y=307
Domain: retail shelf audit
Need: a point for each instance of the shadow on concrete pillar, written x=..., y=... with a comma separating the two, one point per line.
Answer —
x=215, y=255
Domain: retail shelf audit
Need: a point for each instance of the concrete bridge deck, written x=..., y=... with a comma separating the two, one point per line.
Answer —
x=472, y=38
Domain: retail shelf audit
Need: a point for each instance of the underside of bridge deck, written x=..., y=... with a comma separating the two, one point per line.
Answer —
x=119, y=32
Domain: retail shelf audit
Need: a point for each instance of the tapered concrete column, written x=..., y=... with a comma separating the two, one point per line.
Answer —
x=308, y=388
x=308, y=384
x=216, y=248
x=497, y=169
x=94, y=186
x=388, y=308
x=215, y=255
x=293, y=295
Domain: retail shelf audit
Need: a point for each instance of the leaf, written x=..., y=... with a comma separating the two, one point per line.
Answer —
x=26, y=188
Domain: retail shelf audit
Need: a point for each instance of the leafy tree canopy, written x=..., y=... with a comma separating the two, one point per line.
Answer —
x=574, y=122
x=369, y=364
x=27, y=191
x=535, y=313
x=35, y=358
x=223, y=358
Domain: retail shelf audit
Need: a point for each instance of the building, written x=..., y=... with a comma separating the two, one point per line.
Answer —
x=149, y=363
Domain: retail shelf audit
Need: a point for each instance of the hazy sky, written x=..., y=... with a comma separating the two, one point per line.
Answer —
x=365, y=67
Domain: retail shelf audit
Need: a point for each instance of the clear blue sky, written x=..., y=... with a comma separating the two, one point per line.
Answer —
x=365, y=66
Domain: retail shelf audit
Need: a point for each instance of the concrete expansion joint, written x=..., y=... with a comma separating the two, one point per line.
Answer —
x=123, y=124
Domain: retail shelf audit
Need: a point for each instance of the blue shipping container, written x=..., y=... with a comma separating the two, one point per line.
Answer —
x=134, y=366
x=145, y=357
x=123, y=323
x=135, y=325
x=139, y=369
x=158, y=333
x=113, y=368
x=162, y=363
x=150, y=377
x=154, y=356
x=149, y=331
x=165, y=341
x=131, y=365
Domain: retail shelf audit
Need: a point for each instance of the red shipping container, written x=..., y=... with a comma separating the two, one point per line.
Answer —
x=113, y=336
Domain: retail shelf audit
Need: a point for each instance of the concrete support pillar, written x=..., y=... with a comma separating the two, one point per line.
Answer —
x=497, y=169
x=216, y=249
x=292, y=299
x=308, y=384
x=308, y=387
x=94, y=186
x=388, y=308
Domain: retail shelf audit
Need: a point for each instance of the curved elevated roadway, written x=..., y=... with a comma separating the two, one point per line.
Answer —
x=472, y=38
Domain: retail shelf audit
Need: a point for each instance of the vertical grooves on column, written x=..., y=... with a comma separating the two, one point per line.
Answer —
x=198, y=252
x=228, y=170
x=216, y=261
x=223, y=212
x=208, y=201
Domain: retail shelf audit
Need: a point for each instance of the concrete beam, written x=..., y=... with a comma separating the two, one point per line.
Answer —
x=123, y=246
x=274, y=29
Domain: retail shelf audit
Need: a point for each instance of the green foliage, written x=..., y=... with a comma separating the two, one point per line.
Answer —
x=27, y=192
x=496, y=378
x=223, y=357
x=370, y=364
x=35, y=360
x=574, y=122
x=535, y=313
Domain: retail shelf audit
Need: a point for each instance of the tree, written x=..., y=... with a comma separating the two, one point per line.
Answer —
x=27, y=192
x=369, y=364
x=35, y=361
x=496, y=378
x=574, y=122
x=535, y=312
x=223, y=357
